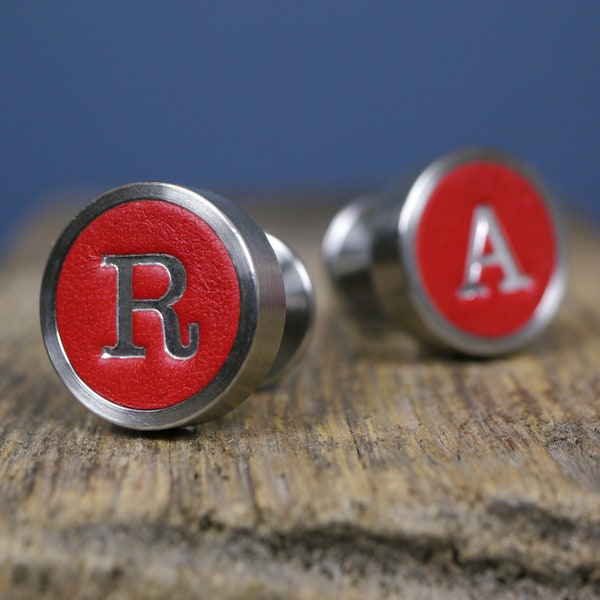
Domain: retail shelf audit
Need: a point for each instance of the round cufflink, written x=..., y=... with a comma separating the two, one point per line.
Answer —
x=468, y=254
x=161, y=306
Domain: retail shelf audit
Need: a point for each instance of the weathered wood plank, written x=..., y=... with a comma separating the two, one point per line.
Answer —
x=377, y=469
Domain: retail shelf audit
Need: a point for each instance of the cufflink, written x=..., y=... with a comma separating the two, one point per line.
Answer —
x=161, y=306
x=467, y=254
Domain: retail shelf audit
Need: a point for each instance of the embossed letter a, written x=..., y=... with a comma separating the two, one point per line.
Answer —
x=485, y=227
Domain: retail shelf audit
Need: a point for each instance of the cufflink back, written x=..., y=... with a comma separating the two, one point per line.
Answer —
x=468, y=254
x=162, y=306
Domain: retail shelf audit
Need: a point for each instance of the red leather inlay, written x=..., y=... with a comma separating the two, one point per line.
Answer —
x=444, y=237
x=86, y=304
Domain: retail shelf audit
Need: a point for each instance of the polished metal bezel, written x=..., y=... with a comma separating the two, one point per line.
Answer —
x=408, y=224
x=262, y=303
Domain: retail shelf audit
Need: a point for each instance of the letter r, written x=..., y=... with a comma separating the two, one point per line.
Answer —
x=126, y=305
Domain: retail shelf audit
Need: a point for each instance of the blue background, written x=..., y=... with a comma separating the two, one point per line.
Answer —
x=256, y=94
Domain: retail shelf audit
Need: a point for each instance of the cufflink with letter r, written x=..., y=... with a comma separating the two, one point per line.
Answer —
x=162, y=306
x=468, y=254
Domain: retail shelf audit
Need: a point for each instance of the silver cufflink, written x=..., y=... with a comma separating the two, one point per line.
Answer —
x=467, y=254
x=162, y=306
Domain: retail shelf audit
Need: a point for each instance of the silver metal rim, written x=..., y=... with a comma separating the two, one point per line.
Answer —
x=262, y=315
x=408, y=224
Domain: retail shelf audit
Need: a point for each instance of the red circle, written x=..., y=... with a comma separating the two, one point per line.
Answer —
x=86, y=304
x=519, y=214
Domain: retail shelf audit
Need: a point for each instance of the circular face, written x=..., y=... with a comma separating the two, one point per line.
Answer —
x=148, y=305
x=485, y=256
x=145, y=316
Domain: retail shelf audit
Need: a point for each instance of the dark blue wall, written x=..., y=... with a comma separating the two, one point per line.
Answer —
x=311, y=93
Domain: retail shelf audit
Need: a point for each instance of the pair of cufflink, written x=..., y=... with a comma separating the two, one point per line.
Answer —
x=162, y=306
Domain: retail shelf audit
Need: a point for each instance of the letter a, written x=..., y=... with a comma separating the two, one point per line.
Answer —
x=484, y=227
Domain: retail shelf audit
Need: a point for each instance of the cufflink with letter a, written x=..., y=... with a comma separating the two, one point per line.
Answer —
x=162, y=306
x=468, y=254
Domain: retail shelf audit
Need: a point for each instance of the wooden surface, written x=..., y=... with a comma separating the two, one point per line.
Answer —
x=376, y=470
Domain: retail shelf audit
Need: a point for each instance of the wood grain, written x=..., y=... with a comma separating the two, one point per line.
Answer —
x=377, y=469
